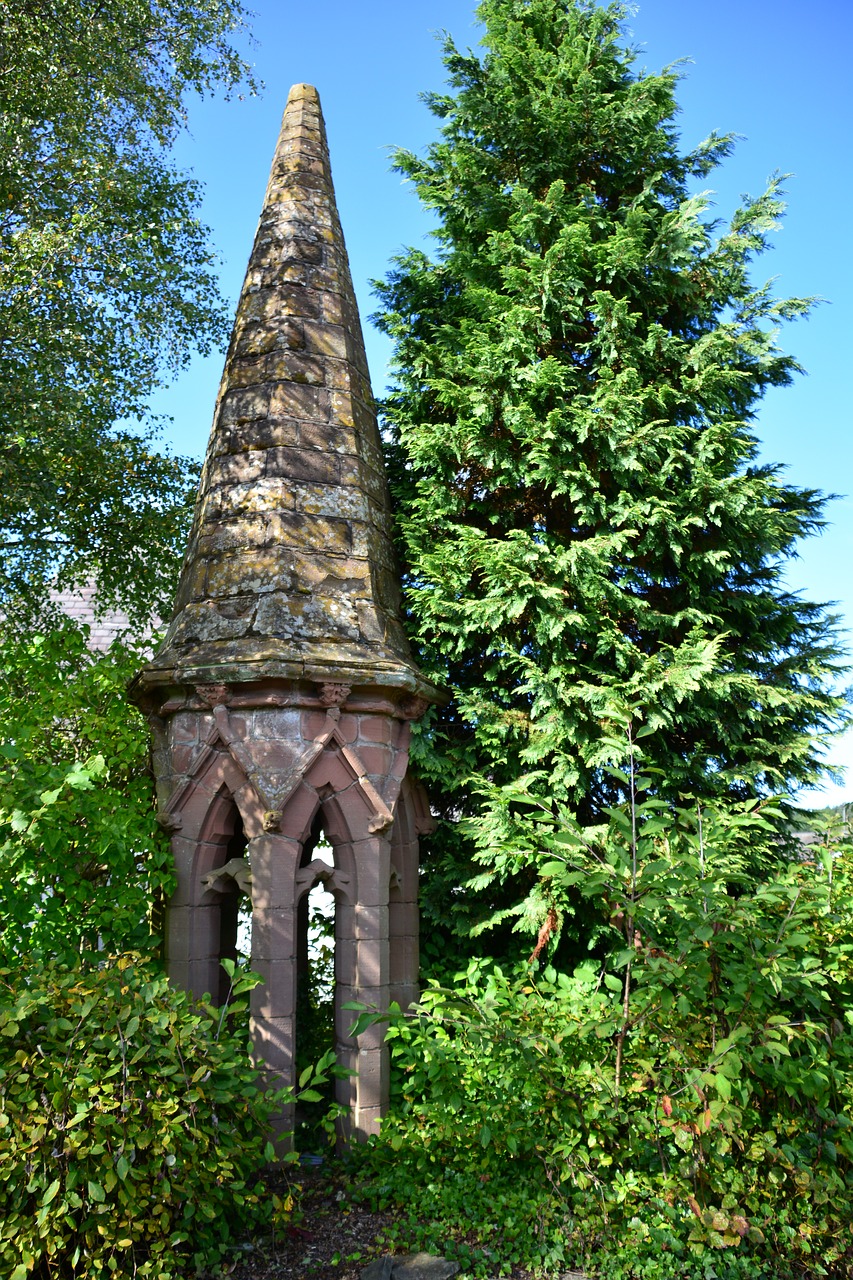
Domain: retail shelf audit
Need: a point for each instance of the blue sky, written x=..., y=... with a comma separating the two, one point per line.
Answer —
x=775, y=73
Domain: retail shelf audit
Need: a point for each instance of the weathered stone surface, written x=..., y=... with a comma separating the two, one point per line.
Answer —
x=295, y=461
x=410, y=1266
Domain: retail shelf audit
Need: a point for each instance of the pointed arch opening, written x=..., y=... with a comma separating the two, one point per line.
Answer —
x=315, y=978
x=220, y=871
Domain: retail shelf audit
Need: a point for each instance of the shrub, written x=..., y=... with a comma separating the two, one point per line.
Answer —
x=84, y=862
x=132, y=1125
x=680, y=1102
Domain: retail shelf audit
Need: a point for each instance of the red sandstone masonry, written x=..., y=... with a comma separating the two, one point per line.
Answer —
x=285, y=681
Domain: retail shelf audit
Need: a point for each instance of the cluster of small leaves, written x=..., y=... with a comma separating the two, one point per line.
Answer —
x=106, y=278
x=581, y=513
x=132, y=1125
x=680, y=1103
x=83, y=862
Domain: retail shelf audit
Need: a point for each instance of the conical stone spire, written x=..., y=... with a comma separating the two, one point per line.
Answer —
x=289, y=571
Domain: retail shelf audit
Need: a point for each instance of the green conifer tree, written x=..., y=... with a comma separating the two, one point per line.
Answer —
x=587, y=534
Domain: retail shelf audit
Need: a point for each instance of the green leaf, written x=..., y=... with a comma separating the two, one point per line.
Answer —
x=52, y=1191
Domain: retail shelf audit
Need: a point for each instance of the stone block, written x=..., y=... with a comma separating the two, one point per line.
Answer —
x=299, y=400
x=281, y=724
x=184, y=727
x=334, y=308
x=303, y=249
x=274, y=860
x=233, y=534
x=371, y=623
x=329, y=500
x=313, y=724
x=258, y=339
x=277, y=998
x=241, y=406
x=404, y=960
x=179, y=973
x=386, y=589
x=331, y=770
x=180, y=759
x=372, y=970
x=325, y=339
x=342, y=408
x=348, y=728
x=273, y=934
x=370, y=924
x=292, y=272
x=269, y=493
x=299, y=812
x=292, y=184
x=276, y=302
x=203, y=623
x=252, y=810
x=299, y=617
x=250, y=371
x=376, y=760
x=400, y=766
x=271, y=432
x=360, y=538
x=178, y=937
x=308, y=465
x=258, y=570
x=273, y=1040
x=337, y=439
x=366, y=1122
x=373, y=873
x=376, y=730
x=205, y=978
x=237, y=468
x=329, y=277
x=344, y=1018
x=372, y=1039
x=375, y=484
x=351, y=470
x=296, y=367
x=303, y=532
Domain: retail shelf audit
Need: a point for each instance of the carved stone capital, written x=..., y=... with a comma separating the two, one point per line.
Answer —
x=169, y=821
x=413, y=707
x=334, y=693
x=215, y=695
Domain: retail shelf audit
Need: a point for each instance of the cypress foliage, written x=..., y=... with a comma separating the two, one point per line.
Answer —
x=588, y=537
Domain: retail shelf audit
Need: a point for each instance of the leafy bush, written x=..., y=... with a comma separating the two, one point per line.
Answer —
x=682, y=1103
x=132, y=1125
x=82, y=858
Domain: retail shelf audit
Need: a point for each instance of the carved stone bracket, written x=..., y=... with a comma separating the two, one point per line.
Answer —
x=413, y=707
x=319, y=872
x=236, y=871
x=169, y=821
x=215, y=695
x=334, y=693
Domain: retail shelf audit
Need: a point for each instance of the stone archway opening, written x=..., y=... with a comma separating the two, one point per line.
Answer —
x=223, y=872
x=315, y=982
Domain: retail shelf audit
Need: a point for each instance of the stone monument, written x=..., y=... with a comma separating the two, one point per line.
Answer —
x=282, y=697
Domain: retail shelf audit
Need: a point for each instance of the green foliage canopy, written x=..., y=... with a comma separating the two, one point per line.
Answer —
x=106, y=279
x=586, y=530
x=83, y=862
